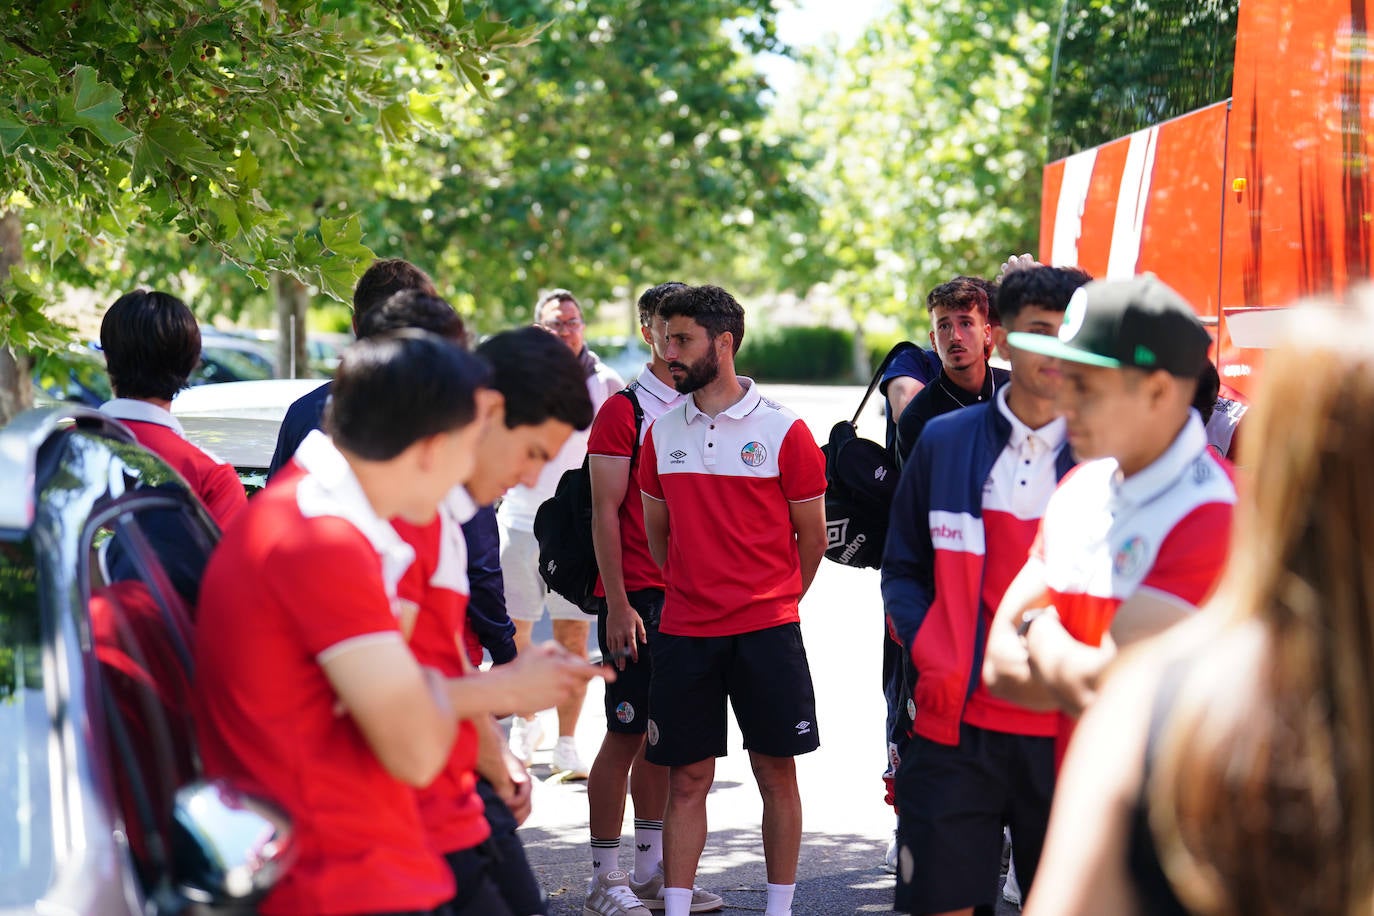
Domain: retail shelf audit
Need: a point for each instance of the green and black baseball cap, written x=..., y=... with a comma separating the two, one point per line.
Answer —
x=1139, y=323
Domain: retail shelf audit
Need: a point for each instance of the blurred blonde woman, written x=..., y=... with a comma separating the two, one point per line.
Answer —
x=1228, y=767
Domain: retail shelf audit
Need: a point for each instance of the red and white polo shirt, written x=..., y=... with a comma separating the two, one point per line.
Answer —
x=728, y=482
x=1165, y=529
x=435, y=590
x=215, y=482
x=613, y=436
x=309, y=571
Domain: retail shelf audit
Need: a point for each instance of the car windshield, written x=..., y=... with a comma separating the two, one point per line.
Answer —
x=26, y=852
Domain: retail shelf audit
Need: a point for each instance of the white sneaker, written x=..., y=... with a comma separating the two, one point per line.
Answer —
x=525, y=735
x=650, y=894
x=567, y=761
x=611, y=896
x=890, y=860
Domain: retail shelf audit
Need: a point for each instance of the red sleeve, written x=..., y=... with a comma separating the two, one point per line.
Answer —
x=1192, y=556
x=613, y=430
x=223, y=494
x=328, y=580
x=648, y=467
x=801, y=464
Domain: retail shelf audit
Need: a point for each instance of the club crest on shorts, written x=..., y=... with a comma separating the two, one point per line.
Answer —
x=651, y=731
x=753, y=454
x=625, y=712
x=911, y=709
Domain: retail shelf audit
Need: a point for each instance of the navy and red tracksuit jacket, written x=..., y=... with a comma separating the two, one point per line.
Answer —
x=940, y=499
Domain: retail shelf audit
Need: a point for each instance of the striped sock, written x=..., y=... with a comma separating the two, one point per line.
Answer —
x=648, y=848
x=605, y=856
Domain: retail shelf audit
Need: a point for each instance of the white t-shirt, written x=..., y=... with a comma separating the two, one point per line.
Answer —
x=521, y=503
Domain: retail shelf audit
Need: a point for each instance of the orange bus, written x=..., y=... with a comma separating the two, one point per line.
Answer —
x=1244, y=204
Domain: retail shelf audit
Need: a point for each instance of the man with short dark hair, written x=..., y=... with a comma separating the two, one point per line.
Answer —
x=631, y=587
x=303, y=672
x=527, y=596
x=963, y=520
x=730, y=627
x=151, y=343
x=1134, y=540
x=959, y=331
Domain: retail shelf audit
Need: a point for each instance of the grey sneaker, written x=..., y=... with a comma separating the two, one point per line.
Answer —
x=650, y=894
x=611, y=896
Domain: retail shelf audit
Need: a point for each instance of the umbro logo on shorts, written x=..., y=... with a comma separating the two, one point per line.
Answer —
x=803, y=728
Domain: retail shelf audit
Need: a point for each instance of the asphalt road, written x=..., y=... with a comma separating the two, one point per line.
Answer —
x=847, y=826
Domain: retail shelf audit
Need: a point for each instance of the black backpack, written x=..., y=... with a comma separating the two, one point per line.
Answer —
x=563, y=528
x=861, y=479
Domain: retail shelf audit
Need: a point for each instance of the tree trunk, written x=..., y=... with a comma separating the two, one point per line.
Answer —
x=16, y=387
x=862, y=372
x=293, y=299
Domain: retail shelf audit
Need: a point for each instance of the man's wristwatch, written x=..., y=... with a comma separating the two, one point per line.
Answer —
x=1029, y=618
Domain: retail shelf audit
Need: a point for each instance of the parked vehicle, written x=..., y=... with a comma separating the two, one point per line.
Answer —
x=238, y=421
x=102, y=806
x=1245, y=204
x=231, y=358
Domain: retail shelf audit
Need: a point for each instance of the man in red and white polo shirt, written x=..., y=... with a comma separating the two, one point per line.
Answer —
x=306, y=687
x=152, y=344
x=1134, y=539
x=631, y=589
x=733, y=512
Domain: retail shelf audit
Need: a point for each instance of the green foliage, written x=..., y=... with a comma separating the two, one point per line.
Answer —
x=624, y=149
x=878, y=345
x=926, y=141
x=797, y=354
x=163, y=126
x=1123, y=67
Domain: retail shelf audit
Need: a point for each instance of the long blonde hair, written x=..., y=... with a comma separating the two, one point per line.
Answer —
x=1262, y=793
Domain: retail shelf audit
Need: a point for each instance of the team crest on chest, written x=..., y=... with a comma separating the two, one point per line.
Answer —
x=1131, y=558
x=753, y=454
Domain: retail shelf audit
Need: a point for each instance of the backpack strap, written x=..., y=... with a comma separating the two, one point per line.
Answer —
x=629, y=392
x=878, y=376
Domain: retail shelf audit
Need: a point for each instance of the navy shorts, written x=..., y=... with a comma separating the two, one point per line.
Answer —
x=763, y=674
x=952, y=804
x=627, y=697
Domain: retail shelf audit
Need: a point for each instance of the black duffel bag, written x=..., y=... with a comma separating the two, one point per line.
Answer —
x=861, y=479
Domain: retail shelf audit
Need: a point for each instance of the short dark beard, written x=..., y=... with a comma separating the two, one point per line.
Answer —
x=698, y=375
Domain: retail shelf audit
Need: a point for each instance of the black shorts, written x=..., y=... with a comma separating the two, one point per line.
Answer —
x=952, y=804
x=766, y=678
x=627, y=698
x=473, y=874
x=510, y=867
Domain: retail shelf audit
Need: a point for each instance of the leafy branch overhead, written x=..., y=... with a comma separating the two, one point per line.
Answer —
x=118, y=115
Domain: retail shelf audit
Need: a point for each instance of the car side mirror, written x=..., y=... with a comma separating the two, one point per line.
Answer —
x=228, y=847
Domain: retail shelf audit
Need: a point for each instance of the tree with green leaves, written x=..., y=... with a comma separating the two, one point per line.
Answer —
x=626, y=147
x=135, y=126
x=926, y=141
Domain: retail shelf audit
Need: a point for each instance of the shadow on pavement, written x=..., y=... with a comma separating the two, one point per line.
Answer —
x=837, y=874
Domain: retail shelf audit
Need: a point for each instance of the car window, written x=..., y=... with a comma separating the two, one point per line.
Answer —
x=26, y=848
x=143, y=572
x=221, y=364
